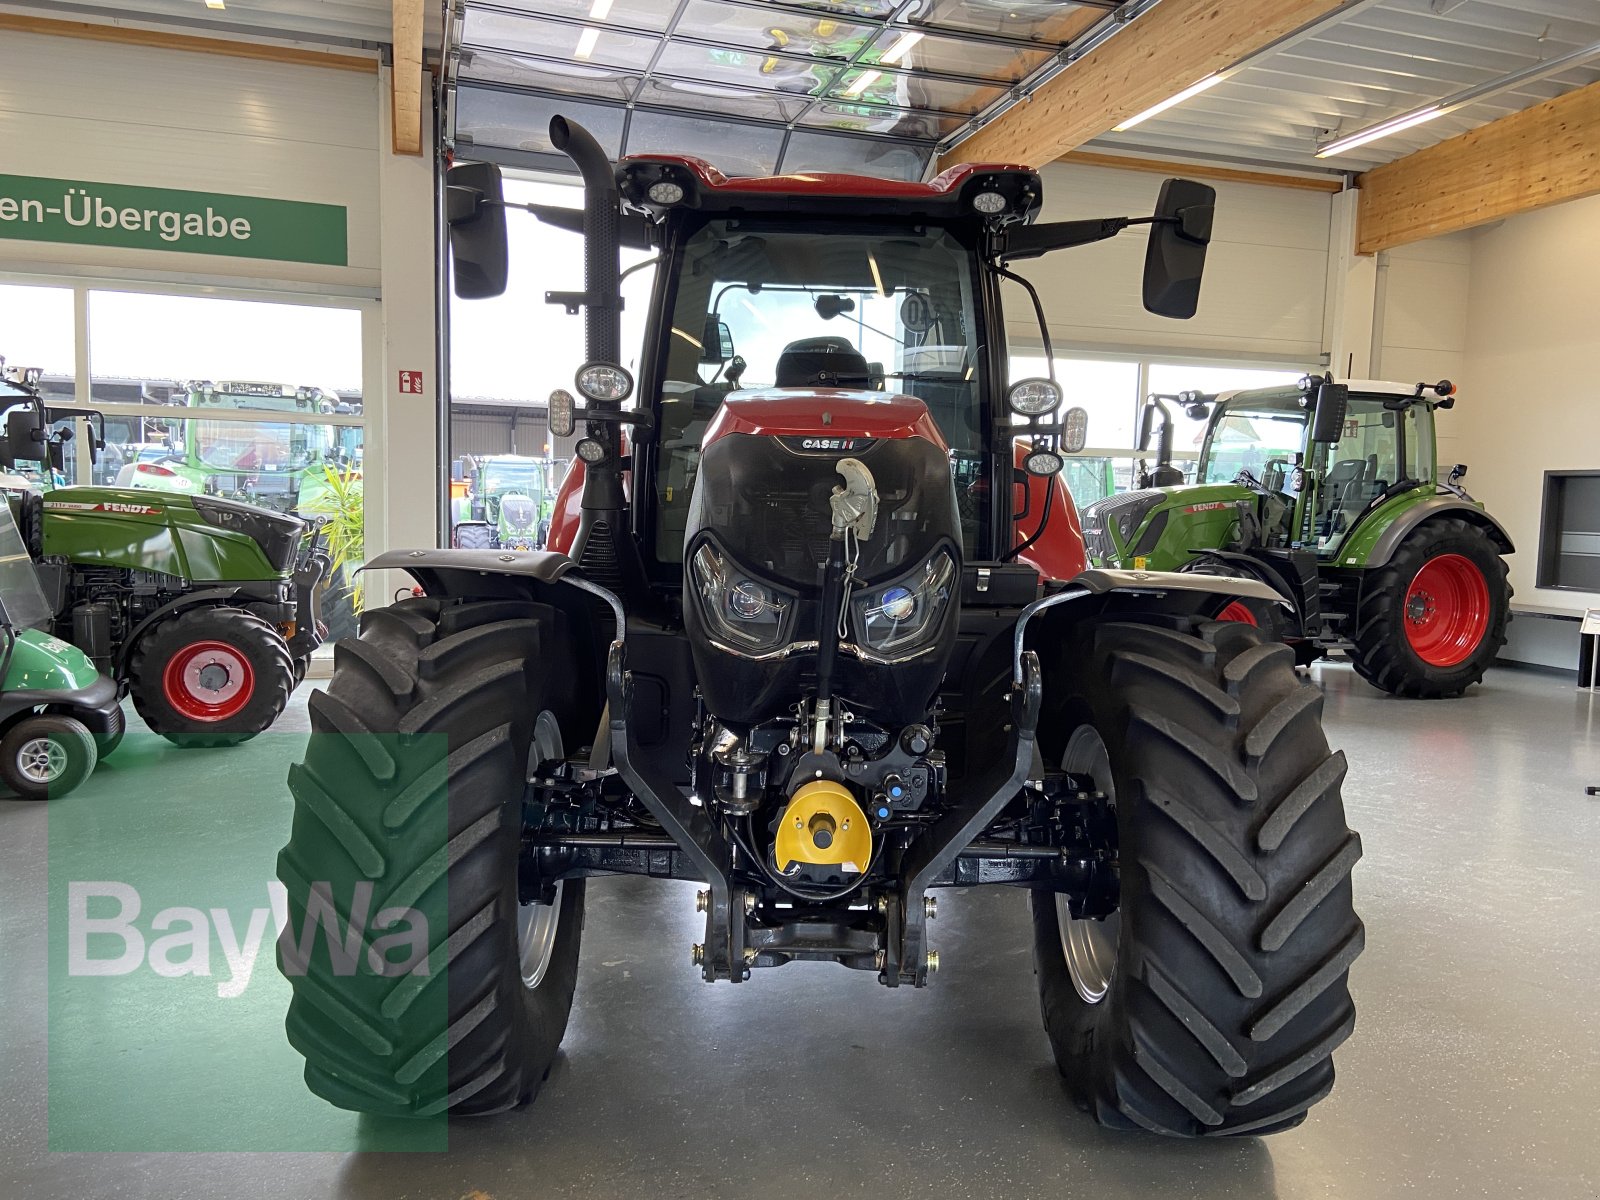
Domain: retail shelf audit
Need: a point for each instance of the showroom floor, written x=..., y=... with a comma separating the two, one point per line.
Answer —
x=1474, y=1071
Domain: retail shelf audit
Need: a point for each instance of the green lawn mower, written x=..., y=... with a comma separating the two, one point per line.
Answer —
x=204, y=610
x=1330, y=494
x=58, y=715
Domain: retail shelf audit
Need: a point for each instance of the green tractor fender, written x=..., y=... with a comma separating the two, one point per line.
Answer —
x=1379, y=534
x=219, y=595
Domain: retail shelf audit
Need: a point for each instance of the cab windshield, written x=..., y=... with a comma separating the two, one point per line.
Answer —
x=248, y=446
x=512, y=477
x=1257, y=438
x=886, y=309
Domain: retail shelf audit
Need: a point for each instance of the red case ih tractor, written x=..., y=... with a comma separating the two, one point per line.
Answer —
x=820, y=637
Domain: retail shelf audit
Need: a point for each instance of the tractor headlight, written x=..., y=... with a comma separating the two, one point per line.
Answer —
x=602, y=381
x=1034, y=397
x=747, y=613
x=906, y=612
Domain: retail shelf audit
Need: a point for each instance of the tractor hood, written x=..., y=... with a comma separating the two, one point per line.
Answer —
x=1152, y=528
x=824, y=419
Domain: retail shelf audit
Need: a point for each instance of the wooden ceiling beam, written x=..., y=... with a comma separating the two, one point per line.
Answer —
x=162, y=40
x=1531, y=159
x=1190, y=170
x=405, y=78
x=1174, y=45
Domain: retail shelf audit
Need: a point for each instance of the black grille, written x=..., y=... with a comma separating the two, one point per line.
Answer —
x=1101, y=516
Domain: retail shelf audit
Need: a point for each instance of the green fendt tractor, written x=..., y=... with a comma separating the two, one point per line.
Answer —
x=203, y=609
x=1330, y=494
x=507, y=506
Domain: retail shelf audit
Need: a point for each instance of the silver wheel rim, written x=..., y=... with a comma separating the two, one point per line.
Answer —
x=538, y=924
x=1089, y=945
x=41, y=760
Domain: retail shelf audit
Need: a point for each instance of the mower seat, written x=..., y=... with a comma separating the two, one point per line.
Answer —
x=822, y=362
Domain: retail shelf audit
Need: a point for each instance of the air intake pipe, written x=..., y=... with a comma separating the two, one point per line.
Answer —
x=604, y=546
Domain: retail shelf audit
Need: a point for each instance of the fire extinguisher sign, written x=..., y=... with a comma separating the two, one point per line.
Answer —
x=411, y=383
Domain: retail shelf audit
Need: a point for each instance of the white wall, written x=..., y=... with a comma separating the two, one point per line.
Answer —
x=1266, y=274
x=1530, y=398
x=112, y=113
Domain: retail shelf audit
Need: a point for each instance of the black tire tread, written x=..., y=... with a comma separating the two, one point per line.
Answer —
x=1238, y=931
x=253, y=635
x=423, y=827
x=1380, y=654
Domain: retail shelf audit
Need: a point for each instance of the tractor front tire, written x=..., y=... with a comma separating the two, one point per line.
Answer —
x=474, y=536
x=210, y=676
x=1210, y=1002
x=1430, y=622
x=45, y=757
x=379, y=805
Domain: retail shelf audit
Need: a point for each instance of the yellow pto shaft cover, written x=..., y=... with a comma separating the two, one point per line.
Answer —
x=824, y=826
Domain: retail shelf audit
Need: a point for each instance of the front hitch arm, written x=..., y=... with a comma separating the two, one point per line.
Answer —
x=906, y=957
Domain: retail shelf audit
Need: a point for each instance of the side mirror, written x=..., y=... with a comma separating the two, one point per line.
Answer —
x=1176, y=256
x=57, y=454
x=25, y=431
x=1327, y=422
x=716, y=347
x=477, y=218
x=1074, y=430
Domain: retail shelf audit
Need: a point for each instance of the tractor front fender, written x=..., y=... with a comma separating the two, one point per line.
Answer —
x=217, y=595
x=1375, y=547
x=542, y=575
x=1098, y=591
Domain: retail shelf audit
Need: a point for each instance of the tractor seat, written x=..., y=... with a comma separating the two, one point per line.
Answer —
x=822, y=362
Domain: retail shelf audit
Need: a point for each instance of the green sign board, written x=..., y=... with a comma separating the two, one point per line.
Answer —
x=147, y=218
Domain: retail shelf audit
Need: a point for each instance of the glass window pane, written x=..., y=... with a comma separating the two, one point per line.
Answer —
x=1042, y=20
x=797, y=75
x=613, y=83
x=1108, y=390
x=722, y=98
x=250, y=354
x=821, y=35
x=854, y=156
x=915, y=91
x=734, y=149
x=1185, y=377
x=580, y=43
x=490, y=117
x=629, y=14
x=36, y=330
x=957, y=57
x=862, y=118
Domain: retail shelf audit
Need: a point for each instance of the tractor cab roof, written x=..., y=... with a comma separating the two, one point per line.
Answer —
x=1295, y=396
x=997, y=193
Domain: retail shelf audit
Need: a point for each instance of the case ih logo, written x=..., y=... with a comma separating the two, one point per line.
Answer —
x=825, y=445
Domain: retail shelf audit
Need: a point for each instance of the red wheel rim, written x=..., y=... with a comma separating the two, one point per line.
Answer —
x=1237, y=610
x=208, y=681
x=1447, y=610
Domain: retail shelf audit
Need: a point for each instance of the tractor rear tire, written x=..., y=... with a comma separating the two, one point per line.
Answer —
x=377, y=805
x=1432, y=620
x=45, y=757
x=1210, y=1002
x=210, y=676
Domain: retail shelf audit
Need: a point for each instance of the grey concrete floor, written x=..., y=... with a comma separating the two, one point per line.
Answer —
x=1474, y=1070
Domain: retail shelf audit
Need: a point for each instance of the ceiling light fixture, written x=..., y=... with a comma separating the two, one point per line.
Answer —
x=899, y=50
x=218, y=4
x=1194, y=89
x=1461, y=99
x=862, y=82
x=1381, y=129
x=586, y=41
x=601, y=10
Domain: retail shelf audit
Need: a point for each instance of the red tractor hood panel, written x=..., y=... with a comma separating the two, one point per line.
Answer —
x=824, y=413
